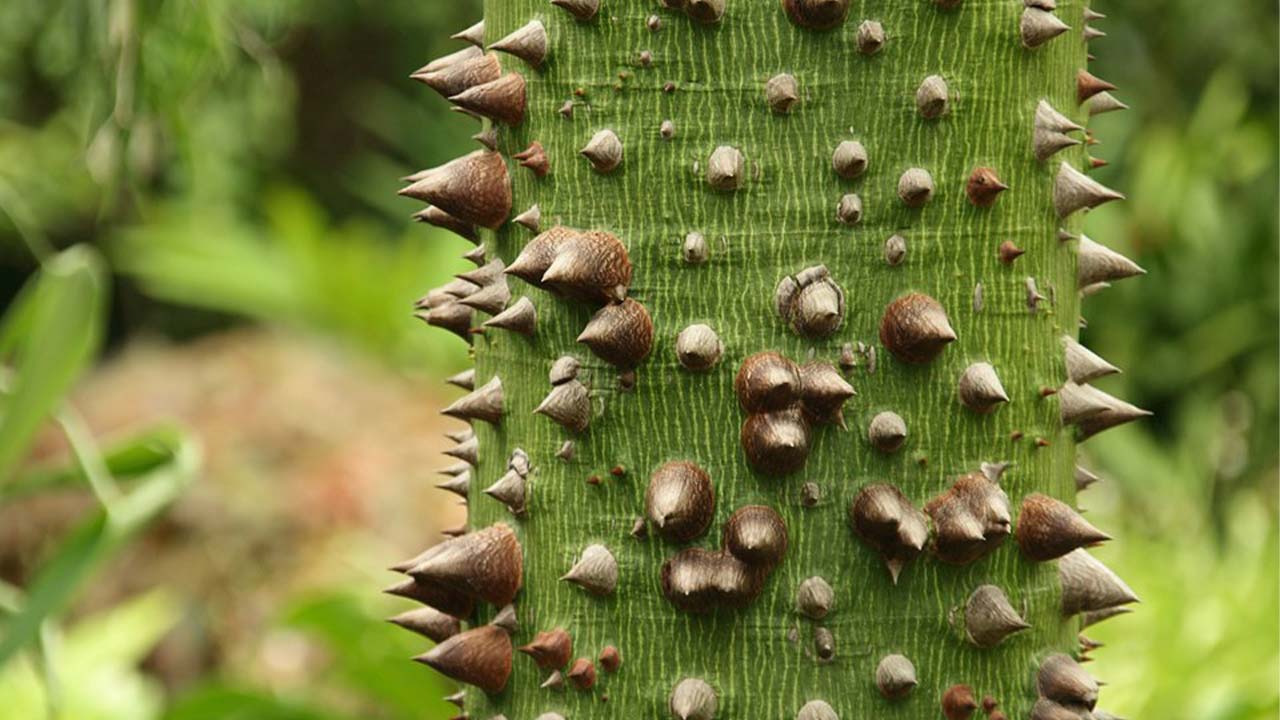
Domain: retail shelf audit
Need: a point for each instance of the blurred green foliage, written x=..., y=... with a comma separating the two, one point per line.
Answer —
x=98, y=657
x=49, y=336
x=237, y=159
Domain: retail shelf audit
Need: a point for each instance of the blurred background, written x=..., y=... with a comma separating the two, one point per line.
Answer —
x=206, y=275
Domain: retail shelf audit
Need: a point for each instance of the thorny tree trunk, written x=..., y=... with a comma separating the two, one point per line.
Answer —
x=816, y=180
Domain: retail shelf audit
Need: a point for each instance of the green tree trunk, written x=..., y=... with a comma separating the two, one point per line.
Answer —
x=673, y=89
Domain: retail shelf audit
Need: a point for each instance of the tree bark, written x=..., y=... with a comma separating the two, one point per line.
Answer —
x=623, y=71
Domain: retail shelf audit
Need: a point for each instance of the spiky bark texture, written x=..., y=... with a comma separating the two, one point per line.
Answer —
x=673, y=91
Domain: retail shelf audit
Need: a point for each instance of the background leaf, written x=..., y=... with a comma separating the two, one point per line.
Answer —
x=91, y=543
x=51, y=338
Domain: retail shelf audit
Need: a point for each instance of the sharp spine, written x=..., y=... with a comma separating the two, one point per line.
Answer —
x=1037, y=27
x=1088, y=85
x=1048, y=529
x=579, y=9
x=474, y=188
x=534, y=157
x=989, y=618
x=528, y=42
x=603, y=151
x=510, y=490
x=1083, y=365
x=596, y=571
x=621, y=334
x=568, y=404
x=429, y=623
x=1097, y=264
x=491, y=299
x=980, y=389
x=932, y=97
x=501, y=100
x=480, y=657
x=485, y=565
x=432, y=215
x=1089, y=586
x=887, y=521
x=895, y=676
x=550, y=649
x=726, y=168
x=484, y=403
x=1073, y=190
x=849, y=159
x=693, y=699
x=473, y=35
x=465, y=379
x=520, y=317
x=455, y=73
x=467, y=451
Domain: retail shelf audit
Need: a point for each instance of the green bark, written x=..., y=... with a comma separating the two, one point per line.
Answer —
x=760, y=659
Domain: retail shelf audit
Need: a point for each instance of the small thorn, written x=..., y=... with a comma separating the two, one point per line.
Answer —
x=501, y=100
x=989, y=618
x=1104, y=103
x=1097, y=263
x=915, y=329
x=915, y=187
x=984, y=187
x=782, y=92
x=490, y=299
x=1037, y=27
x=849, y=159
x=1048, y=529
x=980, y=389
x=473, y=34
x=432, y=215
x=582, y=674
x=870, y=37
x=530, y=219
x=1062, y=680
x=507, y=620
x=534, y=157
x=1090, y=586
x=550, y=649
x=693, y=699
x=596, y=571
x=484, y=404
x=529, y=43
x=958, y=702
x=568, y=404
x=459, y=485
x=480, y=657
x=726, y=168
x=474, y=188
x=465, y=380
x=895, y=677
x=932, y=97
x=603, y=151
x=1008, y=252
x=1073, y=190
x=1088, y=85
x=510, y=490
x=458, y=71
x=428, y=622
x=581, y=10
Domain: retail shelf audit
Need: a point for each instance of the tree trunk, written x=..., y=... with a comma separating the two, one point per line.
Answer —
x=731, y=187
